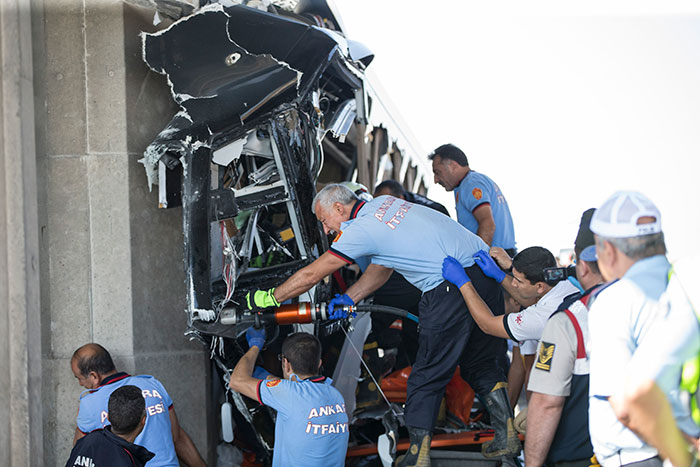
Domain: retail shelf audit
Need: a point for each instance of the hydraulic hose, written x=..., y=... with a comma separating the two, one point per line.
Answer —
x=386, y=309
x=302, y=312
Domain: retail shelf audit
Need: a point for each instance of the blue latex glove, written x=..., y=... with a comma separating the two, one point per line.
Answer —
x=255, y=337
x=454, y=272
x=260, y=373
x=489, y=266
x=339, y=301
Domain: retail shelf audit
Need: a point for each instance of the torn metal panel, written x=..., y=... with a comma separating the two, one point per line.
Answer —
x=174, y=9
x=225, y=84
x=170, y=145
x=343, y=120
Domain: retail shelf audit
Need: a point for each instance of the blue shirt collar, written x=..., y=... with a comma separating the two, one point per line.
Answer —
x=356, y=208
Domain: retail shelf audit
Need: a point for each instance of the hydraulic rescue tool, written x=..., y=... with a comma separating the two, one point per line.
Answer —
x=300, y=313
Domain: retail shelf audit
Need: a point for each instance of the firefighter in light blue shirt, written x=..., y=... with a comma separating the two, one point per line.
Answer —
x=414, y=240
x=94, y=369
x=312, y=426
x=480, y=204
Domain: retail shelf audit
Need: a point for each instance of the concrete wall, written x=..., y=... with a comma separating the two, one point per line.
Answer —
x=111, y=268
x=20, y=343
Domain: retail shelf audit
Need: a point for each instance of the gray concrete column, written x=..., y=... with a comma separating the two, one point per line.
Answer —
x=20, y=343
x=112, y=269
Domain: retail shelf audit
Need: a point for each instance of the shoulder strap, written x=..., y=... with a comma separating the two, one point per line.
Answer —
x=580, y=346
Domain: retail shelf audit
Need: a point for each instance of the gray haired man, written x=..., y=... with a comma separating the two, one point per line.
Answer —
x=631, y=252
x=413, y=240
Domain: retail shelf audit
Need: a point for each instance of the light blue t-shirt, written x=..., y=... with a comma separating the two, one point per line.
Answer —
x=476, y=189
x=312, y=426
x=157, y=434
x=409, y=238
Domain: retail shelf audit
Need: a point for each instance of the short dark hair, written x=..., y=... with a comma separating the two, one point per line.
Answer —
x=532, y=261
x=452, y=152
x=303, y=351
x=93, y=357
x=125, y=409
x=392, y=186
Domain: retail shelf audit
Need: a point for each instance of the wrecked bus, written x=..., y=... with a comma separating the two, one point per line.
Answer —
x=274, y=102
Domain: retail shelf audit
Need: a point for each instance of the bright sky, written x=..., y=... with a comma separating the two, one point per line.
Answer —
x=560, y=104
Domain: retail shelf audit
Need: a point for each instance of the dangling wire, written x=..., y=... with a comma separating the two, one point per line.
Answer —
x=379, y=388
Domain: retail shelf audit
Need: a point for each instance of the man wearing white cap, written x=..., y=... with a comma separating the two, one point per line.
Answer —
x=631, y=251
x=661, y=402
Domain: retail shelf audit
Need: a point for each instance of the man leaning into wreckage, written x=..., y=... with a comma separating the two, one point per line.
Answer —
x=413, y=240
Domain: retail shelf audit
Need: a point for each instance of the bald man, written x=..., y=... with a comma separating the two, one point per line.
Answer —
x=94, y=369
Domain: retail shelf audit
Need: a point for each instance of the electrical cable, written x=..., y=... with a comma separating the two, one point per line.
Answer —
x=362, y=360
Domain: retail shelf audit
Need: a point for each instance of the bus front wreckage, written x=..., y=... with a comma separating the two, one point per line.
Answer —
x=274, y=102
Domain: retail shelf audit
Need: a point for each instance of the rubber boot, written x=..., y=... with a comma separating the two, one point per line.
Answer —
x=505, y=441
x=418, y=454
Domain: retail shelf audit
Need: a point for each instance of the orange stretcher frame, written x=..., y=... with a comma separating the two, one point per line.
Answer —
x=439, y=441
x=459, y=398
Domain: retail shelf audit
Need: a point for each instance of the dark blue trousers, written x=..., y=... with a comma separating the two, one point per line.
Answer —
x=447, y=337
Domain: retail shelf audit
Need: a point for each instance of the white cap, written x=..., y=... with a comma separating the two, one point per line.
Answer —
x=619, y=216
x=360, y=190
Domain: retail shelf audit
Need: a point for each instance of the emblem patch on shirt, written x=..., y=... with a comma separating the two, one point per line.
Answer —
x=272, y=383
x=337, y=237
x=544, y=358
x=477, y=193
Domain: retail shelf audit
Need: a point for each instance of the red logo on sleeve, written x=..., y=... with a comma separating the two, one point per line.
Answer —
x=273, y=383
x=477, y=193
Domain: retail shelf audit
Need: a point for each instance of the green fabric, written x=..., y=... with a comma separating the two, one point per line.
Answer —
x=262, y=299
x=690, y=374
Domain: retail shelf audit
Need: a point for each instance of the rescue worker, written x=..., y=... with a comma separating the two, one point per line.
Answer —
x=312, y=426
x=480, y=204
x=94, y=369
x=413, y=240
x=394, y=188
x=527, y=285
x=631, y=251
x=654, y=406
x=114, y=445
x=557, y=418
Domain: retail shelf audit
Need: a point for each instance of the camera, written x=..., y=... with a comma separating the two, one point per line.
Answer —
x=554, y=275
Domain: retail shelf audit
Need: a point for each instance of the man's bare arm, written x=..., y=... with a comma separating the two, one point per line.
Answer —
x=487, y=226
x=308, y=276
x=481, y=313
x=184, y=447
x=242, y=380
x=374, y=277
x=78, y=434
x=543, y=414
x=646, y=411
x=516, y=377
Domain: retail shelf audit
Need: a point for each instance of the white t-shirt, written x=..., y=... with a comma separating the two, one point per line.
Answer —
x=526, y=326
x=621, y=319
x=676, y=339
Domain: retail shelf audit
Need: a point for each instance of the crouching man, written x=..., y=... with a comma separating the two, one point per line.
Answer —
x=114, y=445
x=312, y=426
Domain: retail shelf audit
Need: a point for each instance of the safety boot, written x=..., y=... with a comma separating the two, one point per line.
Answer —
x=418, y=454
x=505, y=441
